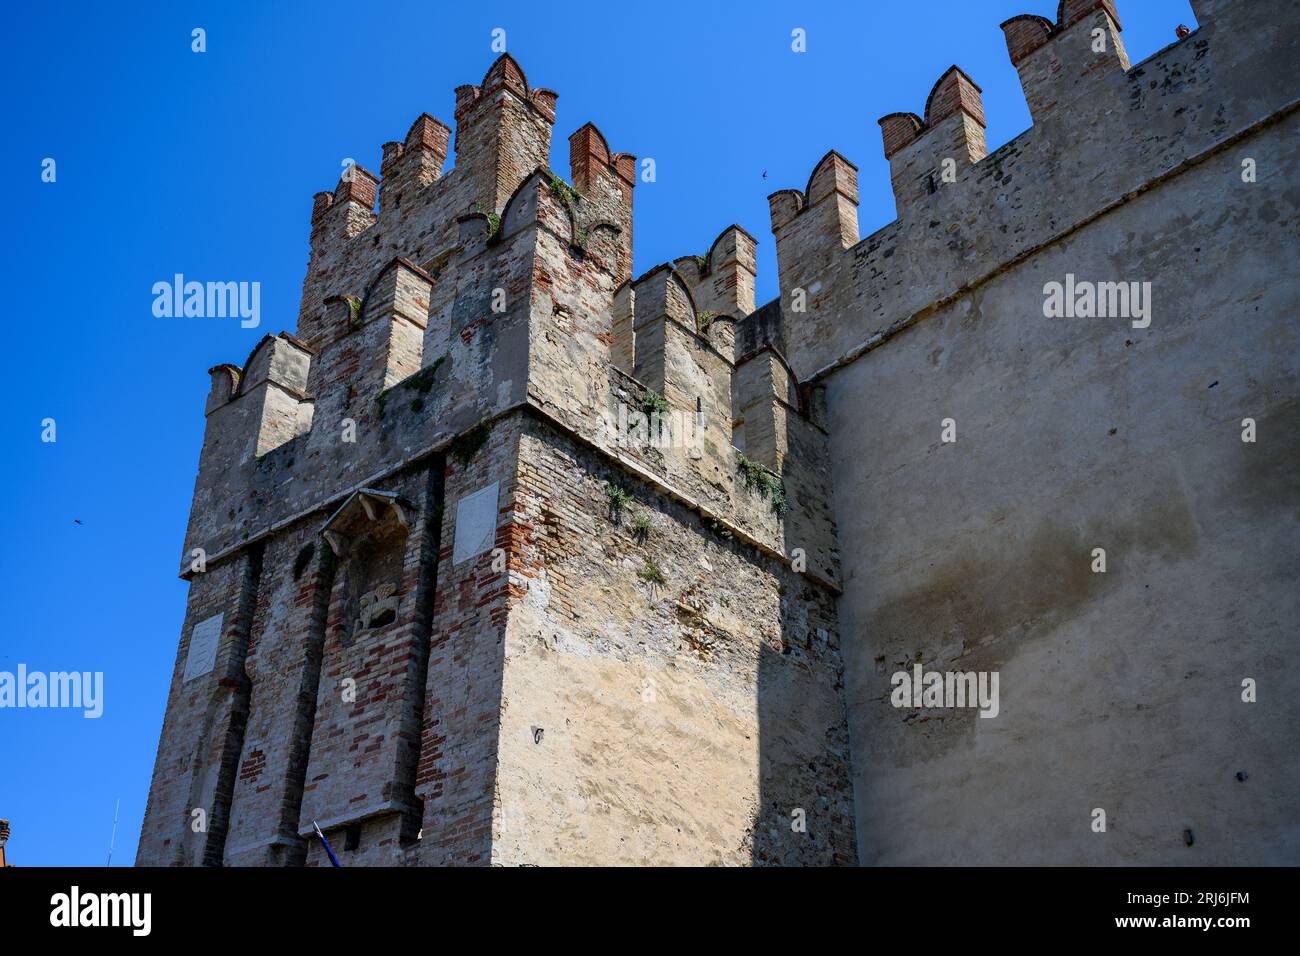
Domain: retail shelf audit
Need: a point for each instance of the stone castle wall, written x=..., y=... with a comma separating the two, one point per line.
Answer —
x=420, y=618
x=1119, y=690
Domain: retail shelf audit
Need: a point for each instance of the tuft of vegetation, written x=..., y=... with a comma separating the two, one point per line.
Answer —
x=652, y=402
x=494, y=222
x=618, y=500
x=720, y=530
x=758, y=478
x=641, y=528
x=705, y=322
x=570, y=198
x=652, y=574
x=703, y=262
x=567, y=195
x=464, y=447
x=354, y=307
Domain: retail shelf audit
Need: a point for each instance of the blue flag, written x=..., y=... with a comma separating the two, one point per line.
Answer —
x=333, y=859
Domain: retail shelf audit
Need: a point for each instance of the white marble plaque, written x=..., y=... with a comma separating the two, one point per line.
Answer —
x=202, y=656
x=476, y=524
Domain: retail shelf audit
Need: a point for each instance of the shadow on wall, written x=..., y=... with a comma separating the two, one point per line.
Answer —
x=805, y=815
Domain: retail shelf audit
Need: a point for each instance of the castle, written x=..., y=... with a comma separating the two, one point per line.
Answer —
x=448, y=602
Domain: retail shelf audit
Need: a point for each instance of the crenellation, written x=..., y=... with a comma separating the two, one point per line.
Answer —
x=722, y=285
x=811, y=228
x=1062, y=62
x=225, y=385
x=925, y=156
x=353, y=209
x=605, y=181
x=411, y=165
x=1011, y=202
x=622, y=337
x=503, y=133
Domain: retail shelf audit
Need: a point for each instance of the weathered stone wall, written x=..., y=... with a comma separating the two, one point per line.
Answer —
x=198, y=750
x=1119, y=690
x=661, y=722
x=459, y=765
x=283, y=667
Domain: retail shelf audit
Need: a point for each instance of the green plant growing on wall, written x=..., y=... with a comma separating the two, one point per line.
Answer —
x=652, y=574
x=494, y=222
x=702, y=261
x=721, y=530
x=779, y=505
x=354, y=309
x=618, y=500
x=705, y=322
x=758, y=478
x=465, y=446
x=567, y=194
x=570, y=198
x=641, y=528
x=652, y=402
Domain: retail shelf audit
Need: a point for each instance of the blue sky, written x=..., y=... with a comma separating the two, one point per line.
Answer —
x=170, y=161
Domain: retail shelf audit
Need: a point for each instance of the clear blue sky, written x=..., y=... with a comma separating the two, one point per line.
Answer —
x=170, y=161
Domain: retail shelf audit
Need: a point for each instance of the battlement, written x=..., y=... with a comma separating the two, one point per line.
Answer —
x=963, y=212
x=434, y=301
x=810, y=227
x=1028, y=33
x=923, y=153
x=502, y=268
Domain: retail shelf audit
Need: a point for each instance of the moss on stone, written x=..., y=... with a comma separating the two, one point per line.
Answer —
x=494, y=222
x=465, y=446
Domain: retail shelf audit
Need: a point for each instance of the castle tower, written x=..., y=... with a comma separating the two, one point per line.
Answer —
x=443, y=602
